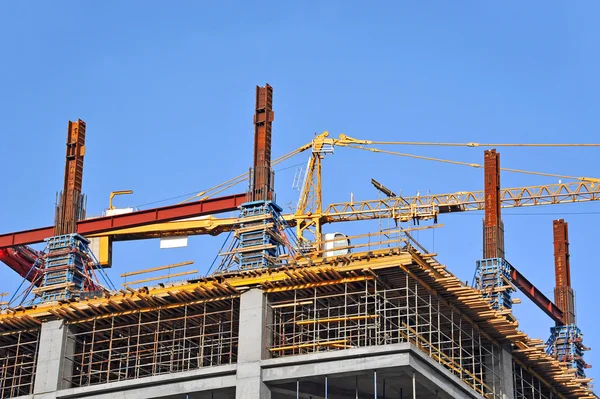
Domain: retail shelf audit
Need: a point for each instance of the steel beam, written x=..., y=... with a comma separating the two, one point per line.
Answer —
x=139, y=218
x=563, y=292
x=262, y=185
x=536, y=296
x=70, y=208
x=493, y=230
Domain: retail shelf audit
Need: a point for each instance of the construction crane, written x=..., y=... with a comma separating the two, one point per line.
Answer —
x=310, y=215
x=260, y=234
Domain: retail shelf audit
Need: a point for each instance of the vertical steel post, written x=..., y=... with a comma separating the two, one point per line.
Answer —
x=564, y=297
x=261, y=184
x=493, y=229
x=70, y=207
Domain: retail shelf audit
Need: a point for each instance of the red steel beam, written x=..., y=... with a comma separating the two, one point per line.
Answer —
x=493, y=229
x=536, y=296
x=22, y=260
x=139, y=218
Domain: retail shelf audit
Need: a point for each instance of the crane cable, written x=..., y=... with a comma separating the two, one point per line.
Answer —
x=424, y=143
x=473, y=165
x=240, y=178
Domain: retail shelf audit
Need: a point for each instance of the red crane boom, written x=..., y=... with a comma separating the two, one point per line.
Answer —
x=22, y=260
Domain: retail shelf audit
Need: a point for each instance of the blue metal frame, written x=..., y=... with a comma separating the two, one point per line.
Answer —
x=258, y=235
x=565, y=344
x=65, y=263
x=493, y=273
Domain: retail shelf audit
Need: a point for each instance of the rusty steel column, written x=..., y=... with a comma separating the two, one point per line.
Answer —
x=563, y=292
x=70, y=204
x=261, y=180
x=493, y=228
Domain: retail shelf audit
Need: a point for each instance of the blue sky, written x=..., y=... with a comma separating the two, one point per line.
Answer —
x=168, y=96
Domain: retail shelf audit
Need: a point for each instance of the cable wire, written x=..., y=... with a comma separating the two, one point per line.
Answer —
x=424, y=143
x=238, y=179
x=473, y=165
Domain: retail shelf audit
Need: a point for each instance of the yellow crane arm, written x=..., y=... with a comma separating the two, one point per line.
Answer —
x=427, y=206
x=402, y=208
x=311, y=215
x=200, y=226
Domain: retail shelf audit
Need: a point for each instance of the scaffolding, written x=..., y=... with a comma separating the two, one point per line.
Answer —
x=367, y=312
x=372, y=298
x=146, y=342
x=528, y=386
x=18, y=357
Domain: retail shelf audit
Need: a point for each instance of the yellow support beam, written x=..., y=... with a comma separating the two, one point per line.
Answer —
x=319, y=284
x=325, y=343
x=165, y=277
x=336, y=319
x=155, y=269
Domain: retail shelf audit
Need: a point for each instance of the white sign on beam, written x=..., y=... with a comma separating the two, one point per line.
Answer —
x=173, y=242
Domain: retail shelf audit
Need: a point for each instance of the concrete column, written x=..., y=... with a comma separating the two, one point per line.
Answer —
x=252, y=344
x=52, y=366
x=508, y=386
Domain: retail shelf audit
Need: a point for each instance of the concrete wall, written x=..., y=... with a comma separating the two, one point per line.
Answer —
x=252, y=347
x=52, y=368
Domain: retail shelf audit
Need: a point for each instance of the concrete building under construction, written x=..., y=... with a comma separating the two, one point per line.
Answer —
x=289, y=312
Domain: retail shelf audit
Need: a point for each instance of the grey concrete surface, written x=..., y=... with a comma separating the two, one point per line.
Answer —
x=54, y=346
x=252, y=346
x=508, y=384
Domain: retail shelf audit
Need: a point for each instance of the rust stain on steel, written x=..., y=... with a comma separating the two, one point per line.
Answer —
x=70, y=208
x=262, y=185
x=493, y=229
x=563, y=292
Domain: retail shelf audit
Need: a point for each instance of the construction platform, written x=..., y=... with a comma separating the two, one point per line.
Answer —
x=388, y=323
